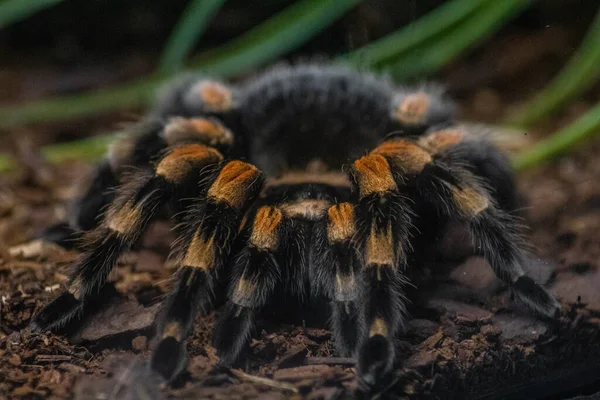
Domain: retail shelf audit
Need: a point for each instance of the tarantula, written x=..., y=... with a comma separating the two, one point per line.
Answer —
x=346, y=182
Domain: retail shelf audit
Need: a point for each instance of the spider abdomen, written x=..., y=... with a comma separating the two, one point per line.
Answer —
x=295, y=116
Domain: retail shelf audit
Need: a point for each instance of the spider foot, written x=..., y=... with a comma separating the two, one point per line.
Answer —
x=232, y=332
x=66, y=313
x=375, y=362
x=536, y=298
x=169, y=358
x=57, y=313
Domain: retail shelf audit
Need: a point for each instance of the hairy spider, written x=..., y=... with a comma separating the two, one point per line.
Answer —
x=290, y=221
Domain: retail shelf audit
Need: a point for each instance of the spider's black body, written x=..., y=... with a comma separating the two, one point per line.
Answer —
x=325, y=218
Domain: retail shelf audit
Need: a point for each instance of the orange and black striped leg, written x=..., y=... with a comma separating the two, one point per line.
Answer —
x=127, y=218
x=85, y=212
x=479, y=156
x=137, y=147
x=335, y=269
x=437, y=177
x=459, y=195
x=211, y=226
x=255, y=274
x=384, y=218
x=136, y=204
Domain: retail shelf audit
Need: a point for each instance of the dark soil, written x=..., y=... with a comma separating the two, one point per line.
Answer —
x=466, y=339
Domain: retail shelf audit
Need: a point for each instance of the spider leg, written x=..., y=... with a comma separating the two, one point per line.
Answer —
x=445, y=182
x=137, y=147
x=255, y=273
x=495, y=233
x=336, y=266
x=137, y=202
x=383, y=220
x=479, y=156
x=86, y=209
x=134, y=147
x=211, y=226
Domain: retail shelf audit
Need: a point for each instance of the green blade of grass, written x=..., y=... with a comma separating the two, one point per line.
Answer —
x=425, y=60
x=584, y=127
x=63, y=108
x=88, y=149
x=580, y=73
x=12, y=11
x=194, y=21
x=281, y=33
x=402, y=41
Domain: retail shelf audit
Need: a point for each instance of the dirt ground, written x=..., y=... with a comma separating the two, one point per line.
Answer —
x=466, y=339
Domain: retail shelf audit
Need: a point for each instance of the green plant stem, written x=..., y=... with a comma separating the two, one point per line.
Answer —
x=90, y=148
x=406, y=39
x=584, y=127
x=485, y=21
x=194, y=21
x=12, y=11
x=63, y=108
x=581, y=72
x=281, y=33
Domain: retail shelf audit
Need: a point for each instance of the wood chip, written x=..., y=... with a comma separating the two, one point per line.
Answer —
x=265, y=381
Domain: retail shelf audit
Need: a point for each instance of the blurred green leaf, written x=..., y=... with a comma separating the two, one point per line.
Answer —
x=406, y=39
x=425, y=60
x=582, y=128
x=582, y=71
x=281, y=33
x=63, y=108
x=194, y=21
x=12, y=11
x=90, y=148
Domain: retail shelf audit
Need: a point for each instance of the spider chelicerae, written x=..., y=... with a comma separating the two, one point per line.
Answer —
x=305, y=182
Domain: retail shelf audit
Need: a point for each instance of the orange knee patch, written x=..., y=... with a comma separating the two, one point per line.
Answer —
x=124, y=220
x=413, y=108
x=378, y=327
x=243, y=291
x=469, y=201
x=373, y=175
x=379, y=249
x=340, y=222
x=439, y=141
x=407, y=156
x=265, y=229
x=214, y=95
x=207, y=131
x=345, y=287
x=200, y=253
x=233, y=182
x=74, y=287
x=180, y=162
x=173, y=330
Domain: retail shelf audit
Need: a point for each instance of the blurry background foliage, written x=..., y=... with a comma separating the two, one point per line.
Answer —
x=408, y=39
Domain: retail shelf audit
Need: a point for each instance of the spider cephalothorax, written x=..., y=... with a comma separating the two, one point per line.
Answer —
x=309, y=182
